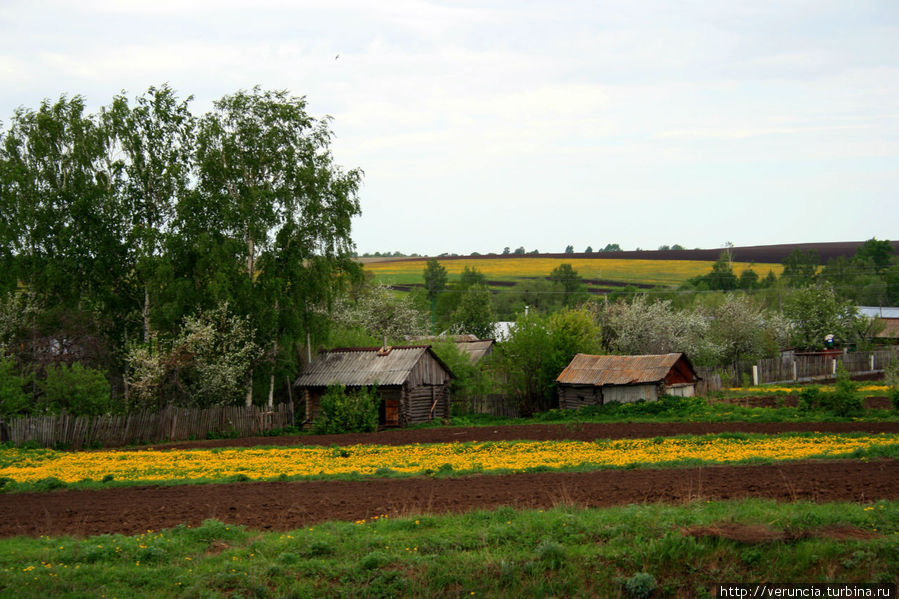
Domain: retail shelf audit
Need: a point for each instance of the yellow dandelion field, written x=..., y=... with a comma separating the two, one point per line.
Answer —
x=655, y=272
x=217, y=464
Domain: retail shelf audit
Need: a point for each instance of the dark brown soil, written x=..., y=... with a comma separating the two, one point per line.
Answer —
x=763, y=254
x=791, y=401
x=549, y=432
x=285, y=506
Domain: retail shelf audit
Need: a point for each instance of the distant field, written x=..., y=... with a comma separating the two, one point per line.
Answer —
x=627, y=271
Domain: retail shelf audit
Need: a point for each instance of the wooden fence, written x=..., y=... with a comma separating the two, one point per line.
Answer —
x=169, y=424
x=793, y=369
x=502, y=406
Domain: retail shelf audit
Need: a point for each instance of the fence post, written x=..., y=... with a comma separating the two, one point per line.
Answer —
x=755, y=375
x=833, y=364
x=872, y=361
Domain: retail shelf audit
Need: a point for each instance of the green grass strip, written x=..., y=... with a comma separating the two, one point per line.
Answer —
x=672, y=551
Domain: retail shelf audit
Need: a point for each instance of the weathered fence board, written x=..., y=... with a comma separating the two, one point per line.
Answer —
x=168, y=424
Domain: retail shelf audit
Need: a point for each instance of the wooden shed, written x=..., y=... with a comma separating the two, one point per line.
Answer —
x=412, y=381
x=595, y=380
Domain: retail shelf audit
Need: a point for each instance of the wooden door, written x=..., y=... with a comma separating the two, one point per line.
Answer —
x=391, y=412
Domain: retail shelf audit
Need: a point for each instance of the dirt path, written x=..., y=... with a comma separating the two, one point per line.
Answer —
x=549, y=432
x=284, y=506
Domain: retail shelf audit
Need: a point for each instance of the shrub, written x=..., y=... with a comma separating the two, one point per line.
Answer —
x=13, y=399
x=640, y=586
x=353, y=412
x=810, y=399
x=894, y=397
x=76, y=389
x=845, y=399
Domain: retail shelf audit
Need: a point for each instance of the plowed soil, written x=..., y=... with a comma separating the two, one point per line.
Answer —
x=285, y=506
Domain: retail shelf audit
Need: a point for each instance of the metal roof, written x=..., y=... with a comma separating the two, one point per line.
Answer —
x=476, y=349
x=879, y=312
x=585, y=369
x=364, y=366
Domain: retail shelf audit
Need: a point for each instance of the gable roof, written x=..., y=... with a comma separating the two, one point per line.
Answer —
x=363, y=366
x=586, y=369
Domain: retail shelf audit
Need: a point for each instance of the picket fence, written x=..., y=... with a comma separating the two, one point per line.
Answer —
x=168, y=424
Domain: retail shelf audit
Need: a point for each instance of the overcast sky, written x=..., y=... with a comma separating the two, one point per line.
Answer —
x=481, y=125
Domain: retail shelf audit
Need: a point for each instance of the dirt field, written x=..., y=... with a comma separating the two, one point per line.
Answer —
x=284, y=506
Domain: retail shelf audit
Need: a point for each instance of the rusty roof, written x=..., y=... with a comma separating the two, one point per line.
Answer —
x=363, y=366
x=586, y=369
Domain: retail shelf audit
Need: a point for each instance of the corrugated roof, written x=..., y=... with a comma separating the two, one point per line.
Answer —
x=585, y=369
x=476, y=350
x=363, y=366
x=879, y=312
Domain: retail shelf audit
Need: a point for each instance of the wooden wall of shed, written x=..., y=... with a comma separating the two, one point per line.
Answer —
x=427, y=371
x=313, y=398
x=629, y=393
x=418, y=402
x=572, y=397
x=684, y=390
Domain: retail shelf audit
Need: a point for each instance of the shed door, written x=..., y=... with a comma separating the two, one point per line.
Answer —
x=391, y=412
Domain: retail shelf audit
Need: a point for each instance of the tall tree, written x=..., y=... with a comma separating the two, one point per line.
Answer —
x=800, y=268
x=60, y=236
x=267, y=178
x=154, y=157
x=435, y=278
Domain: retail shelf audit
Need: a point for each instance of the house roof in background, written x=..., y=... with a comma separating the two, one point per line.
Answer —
x=356, y=367
x=879, y=312
x=585, y=369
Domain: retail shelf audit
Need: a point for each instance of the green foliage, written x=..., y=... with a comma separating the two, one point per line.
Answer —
x=13, y=399
x=810, y=398
x=355, y=411
x=435, y=278
x=488, y=553
x=474, y=314
x=817, y=311
x=844, y=400
x=877, y=251
x=800, y=268
x=75, y=389
x=469, y=380
x=540, y=348
x=720, y=278
x=569, y=283
x=640, y=586
x=146, y=216
x=208, y=364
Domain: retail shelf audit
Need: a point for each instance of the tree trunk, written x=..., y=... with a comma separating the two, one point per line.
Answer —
x=249, y=400
x=146, y=314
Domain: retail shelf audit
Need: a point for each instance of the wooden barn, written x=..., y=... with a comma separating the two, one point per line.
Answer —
x=412, y=381
x=594, y=380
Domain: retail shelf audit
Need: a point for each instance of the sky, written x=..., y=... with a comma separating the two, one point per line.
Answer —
x=482, y=125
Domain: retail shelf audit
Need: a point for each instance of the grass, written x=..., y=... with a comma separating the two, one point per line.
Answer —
x=652, y=272
x=566, y=551
x=677, y=409
x=48, y=470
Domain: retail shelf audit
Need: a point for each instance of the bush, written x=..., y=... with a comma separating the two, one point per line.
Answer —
x=640, y=586
x=810, y=399
x=76, y=389
x=13, y=399
x=845, y=399
x=353, y=412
